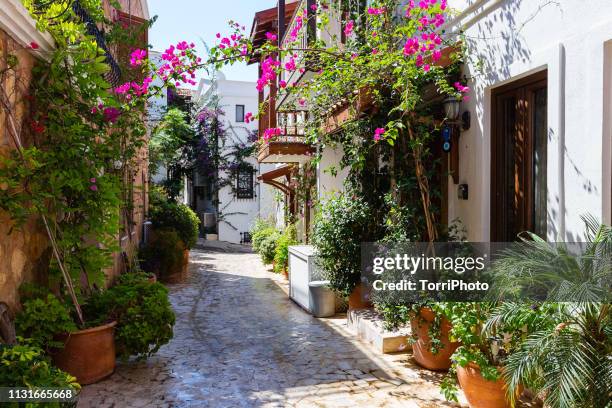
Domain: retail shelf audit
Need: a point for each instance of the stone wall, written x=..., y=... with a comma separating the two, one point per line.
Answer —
x=24, y=252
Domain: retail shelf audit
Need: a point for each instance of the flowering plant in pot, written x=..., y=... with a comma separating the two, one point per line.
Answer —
x=478, y=363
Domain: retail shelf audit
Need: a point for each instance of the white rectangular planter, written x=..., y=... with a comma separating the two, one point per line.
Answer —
x=301, y=272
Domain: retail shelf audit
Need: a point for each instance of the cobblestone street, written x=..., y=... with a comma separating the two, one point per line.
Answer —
x=240, y=342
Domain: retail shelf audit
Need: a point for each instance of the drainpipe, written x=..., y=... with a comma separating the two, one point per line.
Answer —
x=561, y=143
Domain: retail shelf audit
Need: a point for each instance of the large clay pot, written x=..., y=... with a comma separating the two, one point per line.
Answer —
x=185, y=258
x=479, y=392
x=88, y=354
x=359, y=298
x=421, y=349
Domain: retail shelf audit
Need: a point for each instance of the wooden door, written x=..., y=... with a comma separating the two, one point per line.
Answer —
x=519, y=138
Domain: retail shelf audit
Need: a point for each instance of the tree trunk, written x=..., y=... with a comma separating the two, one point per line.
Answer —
x=421, y=174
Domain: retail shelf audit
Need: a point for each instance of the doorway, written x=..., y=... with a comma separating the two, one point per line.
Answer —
x=519, y=139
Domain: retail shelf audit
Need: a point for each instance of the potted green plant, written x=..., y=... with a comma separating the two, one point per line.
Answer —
x=478, y=362
x=432, y=346
x=267, y=247
x=340, y=227
x=87, y=352
x=566, y=341
x=164, y=256
x=26, y=366
x=168, y=215
x=281, y=253
x=143, y=313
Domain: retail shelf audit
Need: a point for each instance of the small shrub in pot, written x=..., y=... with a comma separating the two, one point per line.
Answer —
x=143, y=313
x=339, y=229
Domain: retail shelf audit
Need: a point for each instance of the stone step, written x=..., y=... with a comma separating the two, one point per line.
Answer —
x=369, y=326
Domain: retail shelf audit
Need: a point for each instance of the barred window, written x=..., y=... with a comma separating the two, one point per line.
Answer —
x=244, y=182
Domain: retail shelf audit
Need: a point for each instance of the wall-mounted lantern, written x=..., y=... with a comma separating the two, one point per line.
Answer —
x=451, y=132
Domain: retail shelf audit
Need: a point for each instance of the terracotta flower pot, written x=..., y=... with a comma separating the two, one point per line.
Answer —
x=482, y=393
x=421, y=349
x=358, y=298
x=186, y=257
x=88, y=354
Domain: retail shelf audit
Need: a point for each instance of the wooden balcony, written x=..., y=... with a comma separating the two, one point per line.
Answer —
x=291, y=146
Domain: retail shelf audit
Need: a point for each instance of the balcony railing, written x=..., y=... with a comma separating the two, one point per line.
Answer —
x=299, y=26
x=293, y=124
x=114, y=74
x=296, y=38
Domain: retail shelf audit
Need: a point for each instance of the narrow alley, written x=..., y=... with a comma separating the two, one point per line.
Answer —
x=240, y=342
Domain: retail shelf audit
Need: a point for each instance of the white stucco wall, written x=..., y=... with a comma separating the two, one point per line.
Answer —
x=236, y=215
x=327, y=182
x=512, y=39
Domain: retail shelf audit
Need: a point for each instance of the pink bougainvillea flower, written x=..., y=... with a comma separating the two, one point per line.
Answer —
x=282, y=83
x=461, y=88
x=409, y=7
x=92, y=180
x=411, y=46
x=34, y=45
x=378, y=133
x=426, y=67
x=111, y=114
x=271, y=133
x=348, y=29
x=290, y=65
x=374, y=11
x=466, y=98
x=374, y=34
x=271, y=37
x=122, y=89
x=419, y=60
x=248, y=117
x=314, y=7
x=302, y=101
x=93, y=187
x=137, y=57
x=374, y=51
x=268, y=73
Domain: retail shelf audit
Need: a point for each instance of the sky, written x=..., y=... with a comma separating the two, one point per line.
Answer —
x=199, y=20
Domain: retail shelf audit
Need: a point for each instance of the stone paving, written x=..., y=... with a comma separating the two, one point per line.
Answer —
x=240, y=342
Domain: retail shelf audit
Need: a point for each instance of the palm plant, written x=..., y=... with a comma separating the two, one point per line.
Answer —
x=565, y=352
x=536, y=269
